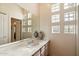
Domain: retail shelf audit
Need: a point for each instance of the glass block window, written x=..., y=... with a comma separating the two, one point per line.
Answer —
x=29, y=22
x=55, y=18
x=69, y=29
x=69, y=16
x=66, y=29
x=66, y=17
x=72, y=15
x=68, y=5
x=63, y=15
x=29, y=15
x=29, y=29
x=72, y=28
x=55, y=7
x=56, y=29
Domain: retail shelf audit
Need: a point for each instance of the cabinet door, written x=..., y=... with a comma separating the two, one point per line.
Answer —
x=37, y=53
x=46, y=49
x=43, y=51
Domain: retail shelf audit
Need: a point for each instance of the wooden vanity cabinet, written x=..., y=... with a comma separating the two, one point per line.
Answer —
x=43, y=51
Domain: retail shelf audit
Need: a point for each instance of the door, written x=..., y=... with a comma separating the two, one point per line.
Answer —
x=15, y=29
x=63, y=30
x=18, y=30
x=4, y=28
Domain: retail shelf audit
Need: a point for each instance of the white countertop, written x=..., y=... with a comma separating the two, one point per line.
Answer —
x=22, y=48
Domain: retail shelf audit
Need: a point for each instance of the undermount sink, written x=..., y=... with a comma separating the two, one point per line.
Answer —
x=29, y=43
x=33, y=43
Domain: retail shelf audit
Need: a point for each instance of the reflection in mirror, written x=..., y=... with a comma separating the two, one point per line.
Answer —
x=15, y=29
x=4, y=33
x=17, y=22
x=27, y=26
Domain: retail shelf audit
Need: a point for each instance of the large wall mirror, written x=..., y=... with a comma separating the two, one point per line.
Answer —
x=17, y=22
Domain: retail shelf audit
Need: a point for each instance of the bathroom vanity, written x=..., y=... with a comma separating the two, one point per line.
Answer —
x=26, y=47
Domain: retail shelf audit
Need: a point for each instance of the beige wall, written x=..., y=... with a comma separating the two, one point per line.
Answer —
x=45, y=19
x=60, y=44
x=12, y=9
x=36, y=18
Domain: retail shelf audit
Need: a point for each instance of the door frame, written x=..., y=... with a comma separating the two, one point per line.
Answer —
x=15, y=19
